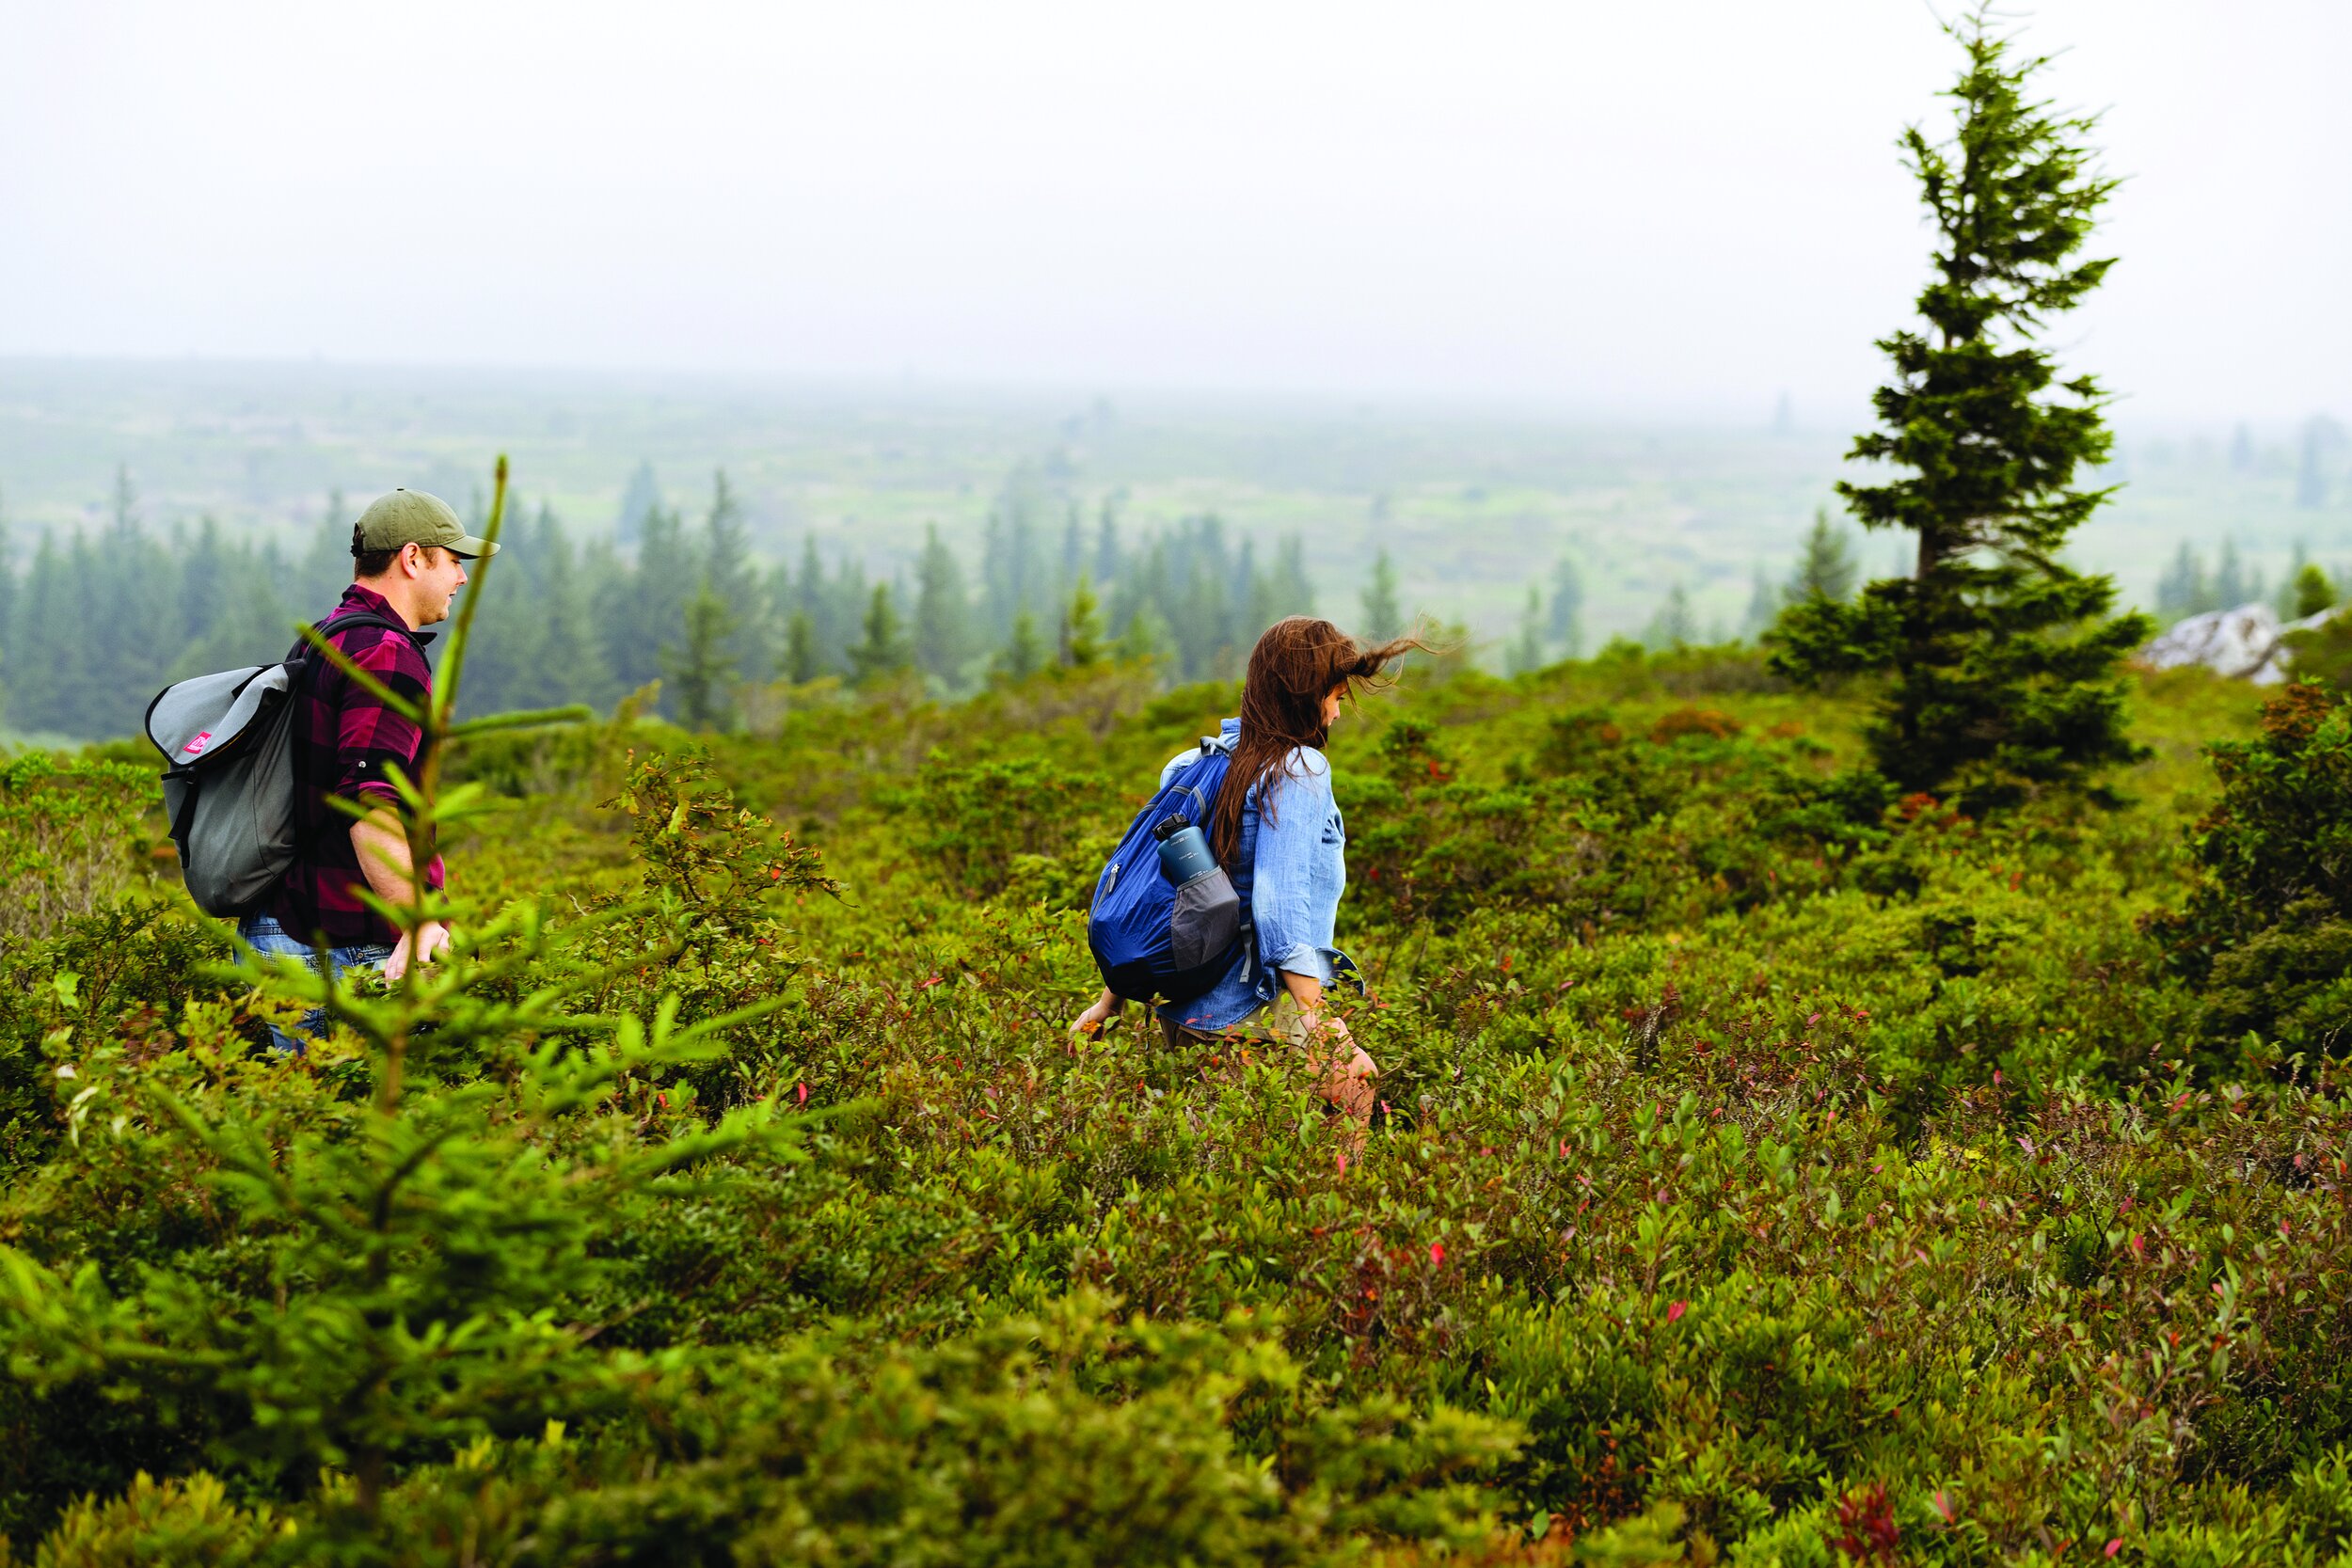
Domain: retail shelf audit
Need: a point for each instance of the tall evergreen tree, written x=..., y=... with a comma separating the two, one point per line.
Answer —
x=2003, y=661
x=1384, y=617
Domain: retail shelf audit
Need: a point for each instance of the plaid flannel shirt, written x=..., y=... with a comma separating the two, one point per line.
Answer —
x=345, y=740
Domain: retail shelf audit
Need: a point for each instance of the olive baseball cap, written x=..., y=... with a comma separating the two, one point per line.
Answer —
x=413, y=517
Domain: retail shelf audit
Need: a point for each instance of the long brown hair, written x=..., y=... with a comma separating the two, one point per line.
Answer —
x=1297, y=663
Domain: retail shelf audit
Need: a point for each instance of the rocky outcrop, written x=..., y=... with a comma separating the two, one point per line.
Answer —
x=2244, y=643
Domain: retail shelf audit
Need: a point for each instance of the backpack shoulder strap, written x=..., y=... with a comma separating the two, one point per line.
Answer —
x=305, y=652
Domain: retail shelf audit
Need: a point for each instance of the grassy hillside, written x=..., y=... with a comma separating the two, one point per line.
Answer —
x=1767, y=1171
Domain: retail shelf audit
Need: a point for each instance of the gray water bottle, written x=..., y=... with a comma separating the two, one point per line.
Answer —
x=1184, y=851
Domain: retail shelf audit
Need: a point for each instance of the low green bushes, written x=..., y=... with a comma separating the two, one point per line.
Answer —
x=1767, y=1170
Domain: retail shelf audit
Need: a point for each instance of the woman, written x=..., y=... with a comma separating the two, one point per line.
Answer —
x=1277, y=831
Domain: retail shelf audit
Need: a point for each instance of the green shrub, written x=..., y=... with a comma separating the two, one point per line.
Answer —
x=977, y=824
x=2266, y=934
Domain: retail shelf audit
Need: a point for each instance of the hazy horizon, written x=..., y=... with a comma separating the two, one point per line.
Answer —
x=1675, y=214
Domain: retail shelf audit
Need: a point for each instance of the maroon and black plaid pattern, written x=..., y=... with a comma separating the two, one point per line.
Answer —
x=345, y=740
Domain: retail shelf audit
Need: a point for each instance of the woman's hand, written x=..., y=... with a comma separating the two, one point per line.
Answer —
x=1091, y=1022
x=1330, y=1049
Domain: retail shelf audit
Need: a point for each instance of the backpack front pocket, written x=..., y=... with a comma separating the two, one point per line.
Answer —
x=1206, y=919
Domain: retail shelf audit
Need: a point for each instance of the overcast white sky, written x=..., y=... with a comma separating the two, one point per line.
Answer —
x=1646, y=207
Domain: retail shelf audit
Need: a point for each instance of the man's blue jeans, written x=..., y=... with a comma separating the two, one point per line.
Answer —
x=264, y=935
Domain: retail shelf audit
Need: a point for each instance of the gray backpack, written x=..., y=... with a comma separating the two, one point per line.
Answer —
x=228, y=788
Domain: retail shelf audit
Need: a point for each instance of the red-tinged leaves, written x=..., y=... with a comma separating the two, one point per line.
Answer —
x=1437, y=1253
x=1867, y=1527
x=1676, y=1309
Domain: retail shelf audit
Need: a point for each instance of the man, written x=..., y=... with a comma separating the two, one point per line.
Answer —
x=409, y=561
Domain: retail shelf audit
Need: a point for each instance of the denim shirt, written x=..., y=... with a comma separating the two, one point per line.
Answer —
x=1297, y=865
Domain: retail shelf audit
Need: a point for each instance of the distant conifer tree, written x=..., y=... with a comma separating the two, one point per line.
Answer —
x=700, y=669
x=1825, y=564
x=1763, y=605
x=1672, y=627
x=1108, y=559
x=1526, y=651
x=1146, y=635
x=2311, y=475
x=1082, y=645
x=7, y=594
x=2313, y=592
x=1024, y=653
x=943, y=612
x=729, y=572
x=2002, y=661
x=801, y=662
x=1567, y=608
x=642, y=496
x=1384, y=617
x=2230, y=585
x=2183, y=589
x=883, y=649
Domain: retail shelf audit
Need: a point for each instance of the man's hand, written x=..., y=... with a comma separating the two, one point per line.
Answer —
x=431, y=940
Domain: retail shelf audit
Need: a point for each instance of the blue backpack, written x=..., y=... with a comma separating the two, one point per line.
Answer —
x=1158, y=936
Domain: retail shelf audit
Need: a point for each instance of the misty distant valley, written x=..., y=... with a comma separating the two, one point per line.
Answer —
x=1475, y=507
